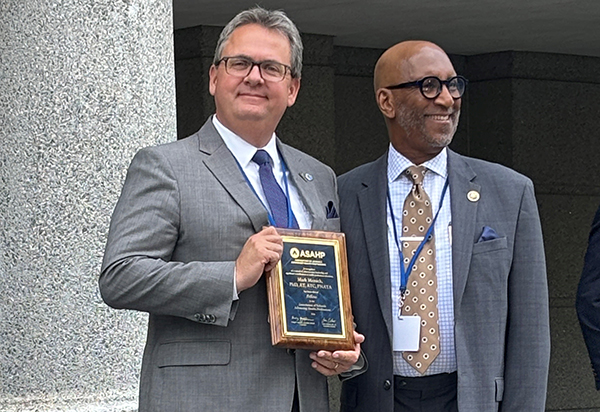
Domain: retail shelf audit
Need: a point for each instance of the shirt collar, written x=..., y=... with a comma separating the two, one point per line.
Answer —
x=241, y=149
x=397, y=163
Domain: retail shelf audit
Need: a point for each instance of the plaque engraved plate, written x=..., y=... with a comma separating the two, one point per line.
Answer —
x=309, y=292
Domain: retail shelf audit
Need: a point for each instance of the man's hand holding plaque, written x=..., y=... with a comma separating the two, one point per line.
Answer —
x=340, y=361
x=260, y=254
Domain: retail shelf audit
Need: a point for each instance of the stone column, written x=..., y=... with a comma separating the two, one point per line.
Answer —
x=83, y=86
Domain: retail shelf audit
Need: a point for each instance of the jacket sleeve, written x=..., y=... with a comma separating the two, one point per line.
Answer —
x=137, y=270
x=527, y=347
x=588, y=298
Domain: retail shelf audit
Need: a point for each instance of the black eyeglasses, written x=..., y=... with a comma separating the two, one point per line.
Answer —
x=242, y=66
x=431, y=86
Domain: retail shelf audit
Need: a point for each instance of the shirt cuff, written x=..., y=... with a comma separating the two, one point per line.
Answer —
x=235, y=292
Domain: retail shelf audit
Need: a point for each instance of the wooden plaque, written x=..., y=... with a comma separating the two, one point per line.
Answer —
x=309, y=292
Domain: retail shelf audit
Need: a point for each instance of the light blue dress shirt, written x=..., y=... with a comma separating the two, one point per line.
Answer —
x=399, y=185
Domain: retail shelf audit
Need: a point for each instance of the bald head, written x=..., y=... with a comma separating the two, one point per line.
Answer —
x=418, y=126
x=397, y=63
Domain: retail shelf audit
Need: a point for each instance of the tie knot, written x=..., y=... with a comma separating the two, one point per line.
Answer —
x=416, y=174
x=261, y=157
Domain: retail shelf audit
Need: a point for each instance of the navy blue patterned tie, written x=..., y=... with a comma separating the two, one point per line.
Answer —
x=275, y=196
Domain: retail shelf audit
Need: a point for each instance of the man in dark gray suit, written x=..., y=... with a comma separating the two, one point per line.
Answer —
x=488, y=259
x=188, y=242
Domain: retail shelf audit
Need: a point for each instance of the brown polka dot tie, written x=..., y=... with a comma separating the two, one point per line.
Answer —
x=421, y=291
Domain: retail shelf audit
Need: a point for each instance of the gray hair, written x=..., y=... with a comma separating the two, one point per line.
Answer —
x=269, y=19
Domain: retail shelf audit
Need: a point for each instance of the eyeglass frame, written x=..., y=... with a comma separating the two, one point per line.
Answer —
x=255, y=63
x=419, y=84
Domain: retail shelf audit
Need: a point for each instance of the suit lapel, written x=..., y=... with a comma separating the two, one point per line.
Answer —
x=224, y=167
x=464, y=214
x=373, y=212
x=307, y=190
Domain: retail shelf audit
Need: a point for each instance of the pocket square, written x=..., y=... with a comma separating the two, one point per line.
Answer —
x=330, y=211
x=487, y=234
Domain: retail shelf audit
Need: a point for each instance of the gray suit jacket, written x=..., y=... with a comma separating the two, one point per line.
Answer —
x=184, y=214
x=500, y=288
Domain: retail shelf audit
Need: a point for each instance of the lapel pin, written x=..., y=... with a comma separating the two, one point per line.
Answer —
x=306, y=176
x=473, y=195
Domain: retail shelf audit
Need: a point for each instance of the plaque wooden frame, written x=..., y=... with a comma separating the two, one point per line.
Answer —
x=281, y=336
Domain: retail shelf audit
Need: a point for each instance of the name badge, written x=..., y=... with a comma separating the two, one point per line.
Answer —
x=407, y=333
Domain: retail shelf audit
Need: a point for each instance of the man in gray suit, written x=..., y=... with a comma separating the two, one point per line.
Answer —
x=487, y=259
x=188, y=242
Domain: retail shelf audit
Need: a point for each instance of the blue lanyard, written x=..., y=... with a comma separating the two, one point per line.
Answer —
x=405, y=272
x=287, y=193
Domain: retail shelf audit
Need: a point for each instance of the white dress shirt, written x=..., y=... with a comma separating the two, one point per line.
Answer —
x=399, y=185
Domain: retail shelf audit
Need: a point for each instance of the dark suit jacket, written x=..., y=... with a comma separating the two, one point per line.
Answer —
x=588, y=298
x=184, y=214
x=500, y=288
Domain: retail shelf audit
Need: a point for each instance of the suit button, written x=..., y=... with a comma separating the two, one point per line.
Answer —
x=212, y=318
x=198, y=316
x=387, y=384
